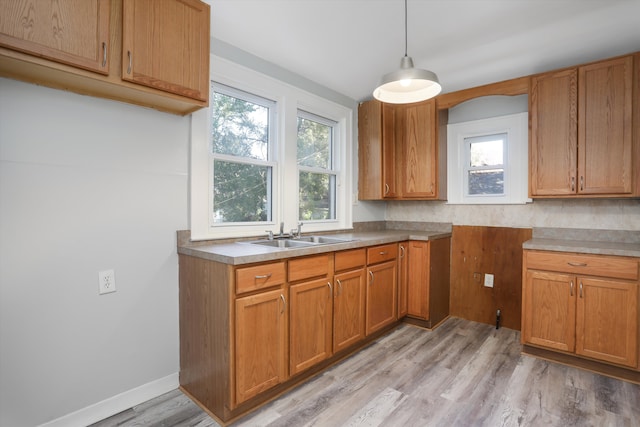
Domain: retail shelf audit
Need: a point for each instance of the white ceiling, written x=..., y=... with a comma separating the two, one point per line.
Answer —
x=347, y=45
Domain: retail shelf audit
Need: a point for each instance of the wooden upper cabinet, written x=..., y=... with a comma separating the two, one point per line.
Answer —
x=418, y=158
x=554, y=133
x=604, y=127
x=401, y=150
x=165, y=45
x=72, y=32
x=582, y=141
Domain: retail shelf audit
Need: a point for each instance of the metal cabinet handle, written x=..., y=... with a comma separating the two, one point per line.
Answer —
x=571, y=289
x=129, y=68
x=371, y=274
x=581, y=183
x=386, y=189
x=104, y=54
x=330, y=288
x=573, y=183
x=383, y=252
x=577, y=264
x=580, y=289
x=284, y=303
x=339, y=284
x=263, y=276
x=402, y=251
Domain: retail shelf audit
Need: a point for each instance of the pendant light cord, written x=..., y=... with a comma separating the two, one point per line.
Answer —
x=405, y=28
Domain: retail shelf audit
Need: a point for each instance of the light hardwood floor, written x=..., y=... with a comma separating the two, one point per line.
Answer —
x=461, y=374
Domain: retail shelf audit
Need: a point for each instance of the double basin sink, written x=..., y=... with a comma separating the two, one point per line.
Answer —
x=300, y=242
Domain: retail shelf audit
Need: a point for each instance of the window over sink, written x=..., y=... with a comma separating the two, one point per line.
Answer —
x=266, y=153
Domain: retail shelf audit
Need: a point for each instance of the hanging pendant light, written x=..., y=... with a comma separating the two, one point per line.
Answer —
x=408, y=84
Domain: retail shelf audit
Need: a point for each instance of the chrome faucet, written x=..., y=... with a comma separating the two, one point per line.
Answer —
x=282, y=229
x=296, y=233
x=270, y=234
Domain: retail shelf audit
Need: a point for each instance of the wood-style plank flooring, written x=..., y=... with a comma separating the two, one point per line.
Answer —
x=461, y=374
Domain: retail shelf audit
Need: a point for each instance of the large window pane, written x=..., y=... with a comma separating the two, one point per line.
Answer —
x=317, y=201
x=241, y=192
x=240, y=128
x=486, y=182
x=314, y=143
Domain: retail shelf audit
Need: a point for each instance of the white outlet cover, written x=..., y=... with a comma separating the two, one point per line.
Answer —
x=488, y=280
x=107, y=281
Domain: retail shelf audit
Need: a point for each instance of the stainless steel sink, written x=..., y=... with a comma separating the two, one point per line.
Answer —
x=282, y=243
x=302, y=242
x=322, y=240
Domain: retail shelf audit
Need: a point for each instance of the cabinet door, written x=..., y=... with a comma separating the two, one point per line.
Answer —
x=554, y=134
x=418, y=157
x=348, y=308
x=391, y=139
x=403, y=268
x=165, y=45
x=261, y=345
x=549, y=310
x=73, y=32
x=381, y=295
x=311, y=315
x=418, y=281
x=607, y=320
x=605, y=128
x=370, y=150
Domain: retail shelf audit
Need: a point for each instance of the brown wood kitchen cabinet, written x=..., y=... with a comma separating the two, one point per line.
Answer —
x=402, y=150
x=382, y=291
x=349, y=298
x=311, y=311
x=583, y=136
x=585, y=305
x=428, y=281
x=145, y=52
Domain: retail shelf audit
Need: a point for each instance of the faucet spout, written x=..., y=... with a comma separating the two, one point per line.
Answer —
x=281, y=229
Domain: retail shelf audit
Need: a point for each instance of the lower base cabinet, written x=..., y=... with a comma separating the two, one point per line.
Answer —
x=586, y=305
x=349, y=298
x=261, y=345
x=428, y=280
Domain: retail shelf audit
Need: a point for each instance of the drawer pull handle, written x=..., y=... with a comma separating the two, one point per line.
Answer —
x=371, y=274
x=571, y=288
x=383, y=252
x=263, y=276
x=330, y=288
x=401, y=251
x=284, y=303
x=129, y=67
x=577, y=264
x=340, y=290
x=104, y=54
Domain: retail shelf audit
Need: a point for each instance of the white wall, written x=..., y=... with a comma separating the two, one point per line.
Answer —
x=86, y=185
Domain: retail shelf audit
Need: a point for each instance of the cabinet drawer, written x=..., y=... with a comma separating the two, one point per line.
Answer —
x=382, y=253
x=259, y=277
x=345, y=260
x=304, y=268
x=579, y=264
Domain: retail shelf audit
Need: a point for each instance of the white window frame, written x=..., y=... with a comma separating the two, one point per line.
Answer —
x=289, y=100
x=331, y=170
x=516, y=164
x=270, y=162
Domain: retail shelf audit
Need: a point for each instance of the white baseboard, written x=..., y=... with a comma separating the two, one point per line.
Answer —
x=118, y=403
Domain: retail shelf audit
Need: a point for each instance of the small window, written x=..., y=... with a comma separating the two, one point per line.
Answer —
x=316, y=174
x=487, y=161
x=242, y=134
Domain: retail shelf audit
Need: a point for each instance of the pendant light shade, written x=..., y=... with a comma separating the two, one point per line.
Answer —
x=408, y=84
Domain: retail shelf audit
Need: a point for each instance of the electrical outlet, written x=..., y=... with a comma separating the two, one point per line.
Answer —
x=488, y=280
x=107, y=280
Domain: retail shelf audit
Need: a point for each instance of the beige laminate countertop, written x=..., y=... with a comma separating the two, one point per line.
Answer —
x=244, y=253
x=584, y=247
